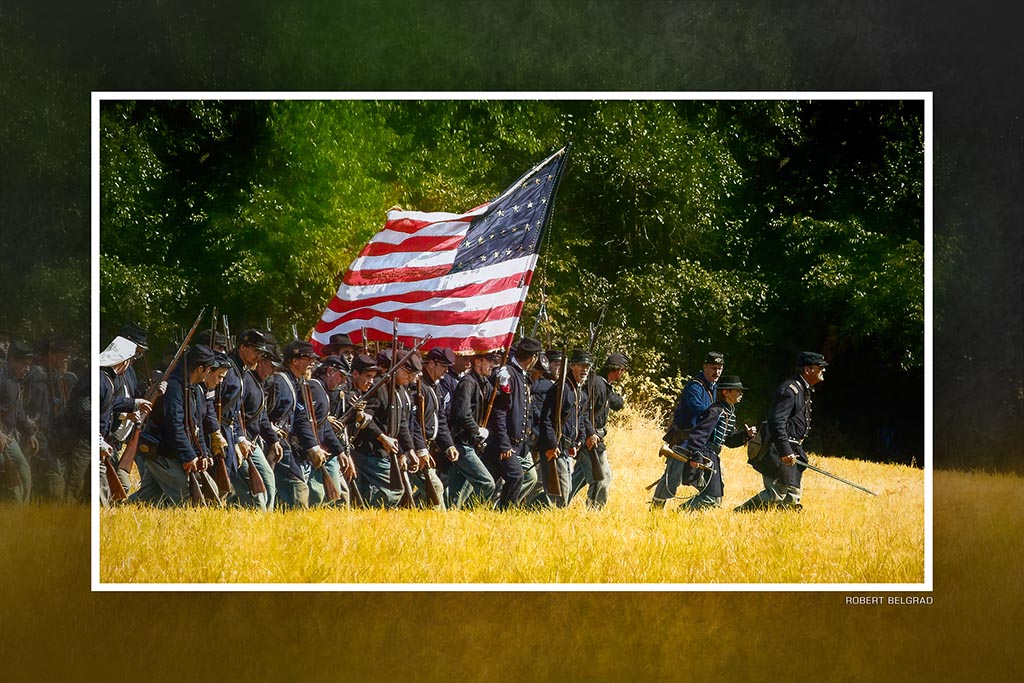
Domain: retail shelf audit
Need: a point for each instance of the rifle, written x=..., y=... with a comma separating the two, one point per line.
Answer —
x=684, y=456
x=128, y=456
x=256, y=485
x=597, y=472
x=220, y=468
x=227, y=334
x=836, y=477
x=365, y=347
x=195, y=490
x=331, y=492
x=552, y=486
x=399, y=476
x=494, y=392
x=117, y=492
x=435, y=500
x=295, y=332
x=542, y=314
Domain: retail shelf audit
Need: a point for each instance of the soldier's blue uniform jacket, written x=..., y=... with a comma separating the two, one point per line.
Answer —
x=321, y=409
x=468, y=406
x=509, y=424
x=378, y=406
x=178, y=417
x=789, y=418
x=538, y=392
x=251, y=413
x=113, y=400
x=287, y=410
x=429, y=422
x=446, y=386
x=36, y=396
x=576, y=425
x=716, y=426
x=695, y=398
x=697, y=395
x=602, y=399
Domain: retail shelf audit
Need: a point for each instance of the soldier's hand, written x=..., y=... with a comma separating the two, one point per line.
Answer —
x=551, y=453
x=426, y=461
x=276, y=453
x=452, y=453
x=143, y=406
x=5, y=440
x=411, y=461
x=505, y=455
x=751, y=432
x=218, y=443
x=592, y=441
x=105, y=447
x=191, y=466
x=33, y=444
x=389, y=444
x=317, y=456
x=245, y=447
x=788, y=460
x=163, y=387
x=335, y=422
x=346, y=466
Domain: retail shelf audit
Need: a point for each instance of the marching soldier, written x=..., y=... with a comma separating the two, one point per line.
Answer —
x=508, y=446
x=288, y=410
x=384, y=429
x=715, y=427
x=602, y=397
x=467, y=475
x=697, y=395
x=173, y=442
x=431, y=435
x=246, y=416
x=341, y=345
x=789, y=421
x=18, y=433
x=326, y=380
x=565, y=425
x=540, y=383
x=114, y=361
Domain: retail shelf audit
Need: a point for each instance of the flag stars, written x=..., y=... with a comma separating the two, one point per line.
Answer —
x=516, y=208
x=529, y=205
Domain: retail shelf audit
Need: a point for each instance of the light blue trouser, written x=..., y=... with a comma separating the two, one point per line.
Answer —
x=164, y=482
x=530, y=478
x=13, y=457
x=671, y=480
x=776, y=493
x=468, y=477
x=317, y=493
x=240, y=480
x=47, y=472
x=420, y=482
x=77, y=475
x=373, y=477
x=583, y=475
x=563, y=466
x=701, y=501
x=292, y=488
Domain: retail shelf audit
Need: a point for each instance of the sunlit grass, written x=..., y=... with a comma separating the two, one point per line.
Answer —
x=842, y=536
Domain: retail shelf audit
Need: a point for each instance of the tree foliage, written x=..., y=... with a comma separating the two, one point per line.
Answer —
x=755, y=228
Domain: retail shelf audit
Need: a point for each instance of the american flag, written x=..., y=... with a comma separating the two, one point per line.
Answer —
x=460, y=277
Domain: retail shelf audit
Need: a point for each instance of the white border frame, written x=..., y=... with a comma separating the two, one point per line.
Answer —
x=925, y=96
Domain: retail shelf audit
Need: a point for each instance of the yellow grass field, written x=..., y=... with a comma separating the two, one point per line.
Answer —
x=842, y=536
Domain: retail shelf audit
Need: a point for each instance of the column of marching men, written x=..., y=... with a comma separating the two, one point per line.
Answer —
x=251, y=423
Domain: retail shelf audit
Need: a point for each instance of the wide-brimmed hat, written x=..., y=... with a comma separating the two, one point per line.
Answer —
x=730, y=382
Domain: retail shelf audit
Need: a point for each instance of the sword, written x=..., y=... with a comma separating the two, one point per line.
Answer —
x=836, y=477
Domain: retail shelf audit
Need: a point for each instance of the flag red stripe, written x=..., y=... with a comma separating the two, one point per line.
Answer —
x=414, y=244
x=489, y=287
x=413, y=316
x=359, y=278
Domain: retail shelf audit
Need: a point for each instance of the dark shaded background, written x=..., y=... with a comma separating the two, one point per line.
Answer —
x=53, y=55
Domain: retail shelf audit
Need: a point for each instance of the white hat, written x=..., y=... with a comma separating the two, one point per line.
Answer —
x=120, y=350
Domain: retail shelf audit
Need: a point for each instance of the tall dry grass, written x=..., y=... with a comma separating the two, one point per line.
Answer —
x=842, y=535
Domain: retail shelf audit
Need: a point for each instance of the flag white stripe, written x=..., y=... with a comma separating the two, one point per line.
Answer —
x=488, y=328
x=387, y=236
x=439, y=303
x=404, y=259
x=439, y=284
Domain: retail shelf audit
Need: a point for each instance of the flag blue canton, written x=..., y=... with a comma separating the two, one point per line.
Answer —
x=514, y=223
